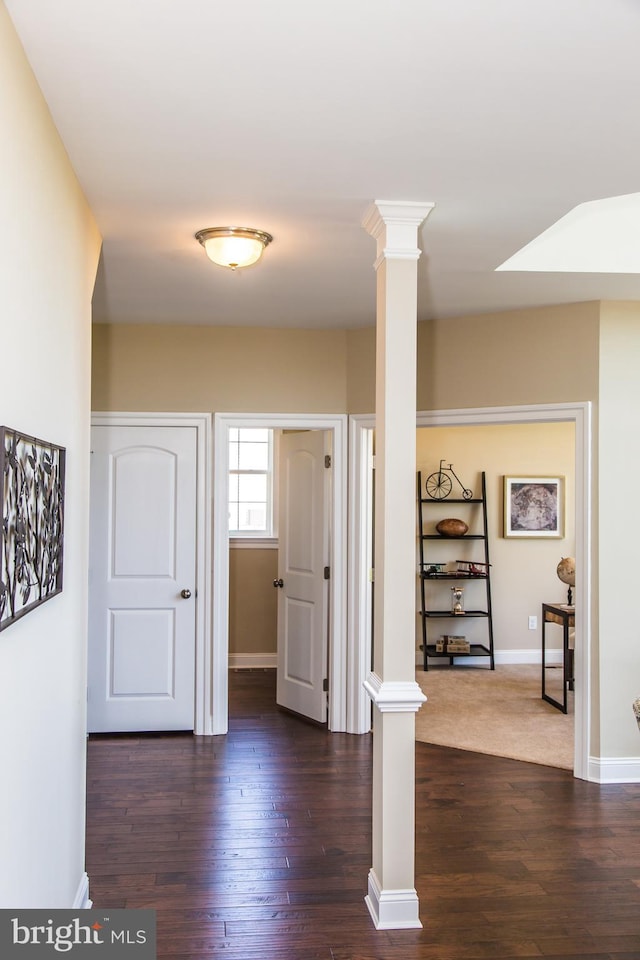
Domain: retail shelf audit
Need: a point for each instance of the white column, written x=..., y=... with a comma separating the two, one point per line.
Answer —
x=392, y=899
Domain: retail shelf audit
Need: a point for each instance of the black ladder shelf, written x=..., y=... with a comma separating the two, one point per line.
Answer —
x=474, y=567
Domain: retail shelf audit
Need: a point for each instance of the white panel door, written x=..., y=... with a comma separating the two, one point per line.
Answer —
x=141, y=669
x=303, y=553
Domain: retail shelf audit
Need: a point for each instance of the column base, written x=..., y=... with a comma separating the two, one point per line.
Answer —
x=392, y=909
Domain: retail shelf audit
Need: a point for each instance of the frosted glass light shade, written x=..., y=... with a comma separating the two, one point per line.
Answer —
x=233, y=246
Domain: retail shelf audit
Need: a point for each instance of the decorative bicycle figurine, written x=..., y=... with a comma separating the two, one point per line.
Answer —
x=439, y=484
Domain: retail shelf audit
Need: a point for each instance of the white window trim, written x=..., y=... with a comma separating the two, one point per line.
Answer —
x=253, y=543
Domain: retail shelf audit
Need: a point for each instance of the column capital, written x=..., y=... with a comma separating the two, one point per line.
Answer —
x=394, y=226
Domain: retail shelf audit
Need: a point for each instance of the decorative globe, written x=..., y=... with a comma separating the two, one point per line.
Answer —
x=566, y=571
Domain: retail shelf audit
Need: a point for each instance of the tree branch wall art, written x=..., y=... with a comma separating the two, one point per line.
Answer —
x=31, y=536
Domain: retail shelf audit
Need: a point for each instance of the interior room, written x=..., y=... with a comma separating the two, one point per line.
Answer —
x=522, y=576
x=436, y=208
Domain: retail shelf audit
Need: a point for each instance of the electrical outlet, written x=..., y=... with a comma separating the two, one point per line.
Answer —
x=533, y=623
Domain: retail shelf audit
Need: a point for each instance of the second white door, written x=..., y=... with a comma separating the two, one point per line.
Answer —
x=303, y=607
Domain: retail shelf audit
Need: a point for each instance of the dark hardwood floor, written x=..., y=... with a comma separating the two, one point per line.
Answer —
x=257, y=845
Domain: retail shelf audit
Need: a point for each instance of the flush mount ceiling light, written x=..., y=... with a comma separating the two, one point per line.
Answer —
x=233, y=246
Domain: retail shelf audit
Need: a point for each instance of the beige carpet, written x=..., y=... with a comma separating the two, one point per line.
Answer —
x=499, y=712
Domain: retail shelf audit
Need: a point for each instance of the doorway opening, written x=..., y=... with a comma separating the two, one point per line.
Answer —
x=360, y=586
x=279, y=529
x=335, y=425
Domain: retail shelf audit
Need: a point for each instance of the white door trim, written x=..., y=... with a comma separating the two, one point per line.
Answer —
x=202, y=724
x=360, y=632
x=337, y=423
x=360, y=615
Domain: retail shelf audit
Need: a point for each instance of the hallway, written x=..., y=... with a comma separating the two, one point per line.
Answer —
x=256, y=846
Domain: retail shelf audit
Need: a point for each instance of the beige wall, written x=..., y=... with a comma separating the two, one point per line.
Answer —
x=523, y=572
x=518, y=357
x=553, y=354
x=253, y=618
x=361, y=370
x=44, y=391
x=524, y=356
x=227, y=369
x=540, y=355
x=617, y=458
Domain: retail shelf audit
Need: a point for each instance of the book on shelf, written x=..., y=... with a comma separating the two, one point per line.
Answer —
x=452, y=643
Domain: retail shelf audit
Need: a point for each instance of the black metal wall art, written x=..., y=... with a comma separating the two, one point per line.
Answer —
x=32, y=474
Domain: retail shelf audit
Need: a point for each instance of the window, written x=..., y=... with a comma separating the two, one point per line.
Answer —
x=250, y=482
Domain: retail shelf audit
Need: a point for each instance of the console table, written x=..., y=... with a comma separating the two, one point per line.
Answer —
x=564, y=615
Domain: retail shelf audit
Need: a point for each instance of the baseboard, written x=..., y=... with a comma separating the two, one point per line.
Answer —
x=614, y=769
x=81, y=900
x=392, y=909
x=253, y=661
x=532, y=655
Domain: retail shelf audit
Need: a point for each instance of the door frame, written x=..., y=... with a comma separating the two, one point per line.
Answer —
x=360, y=586
x=338, y=690
x=360, y=513
x=202, y=593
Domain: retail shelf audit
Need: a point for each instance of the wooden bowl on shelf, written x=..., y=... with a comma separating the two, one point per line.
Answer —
x=450, y=527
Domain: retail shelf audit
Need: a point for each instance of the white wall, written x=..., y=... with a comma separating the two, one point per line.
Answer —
x=49, y=248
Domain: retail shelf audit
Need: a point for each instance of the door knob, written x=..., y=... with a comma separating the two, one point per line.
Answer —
x=185, y=593
x=279, y=582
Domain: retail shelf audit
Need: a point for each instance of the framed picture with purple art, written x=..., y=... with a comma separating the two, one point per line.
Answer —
x=534, y=507
x=31, y=535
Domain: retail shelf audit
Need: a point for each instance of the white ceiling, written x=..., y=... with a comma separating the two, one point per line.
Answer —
x=291, y=117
